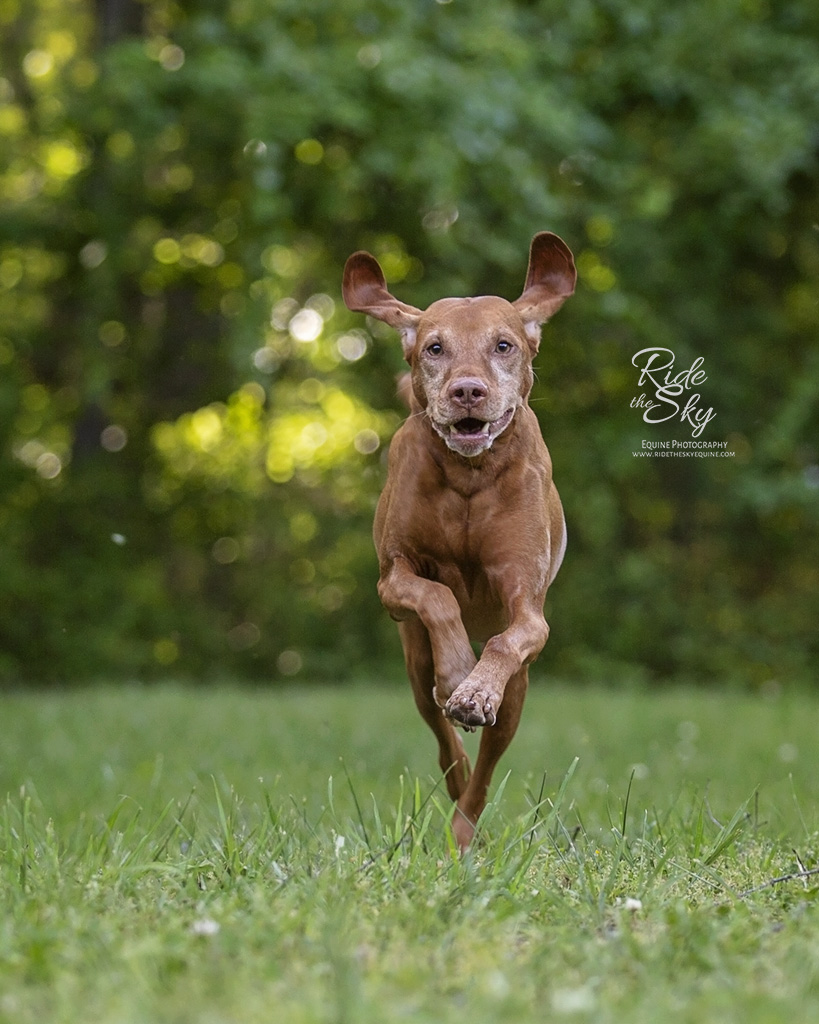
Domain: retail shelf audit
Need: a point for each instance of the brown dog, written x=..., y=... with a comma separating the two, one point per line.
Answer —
x=469, y=529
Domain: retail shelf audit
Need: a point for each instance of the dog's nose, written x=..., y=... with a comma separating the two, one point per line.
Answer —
x=467, y=391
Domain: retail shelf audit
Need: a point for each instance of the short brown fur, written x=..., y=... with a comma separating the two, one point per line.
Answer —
x=469, y=529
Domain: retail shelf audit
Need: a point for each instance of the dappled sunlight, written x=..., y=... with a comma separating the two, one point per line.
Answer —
x=337, y=427
x=310, y=429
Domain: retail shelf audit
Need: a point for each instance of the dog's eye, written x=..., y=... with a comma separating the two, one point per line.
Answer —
x=504, y=346
x=435, y=349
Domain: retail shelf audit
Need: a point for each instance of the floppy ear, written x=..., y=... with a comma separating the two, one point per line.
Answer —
x=365, y=291
x=550, y=280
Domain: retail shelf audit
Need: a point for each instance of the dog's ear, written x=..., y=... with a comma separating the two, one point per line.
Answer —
x=550, y=280
x=365, y=291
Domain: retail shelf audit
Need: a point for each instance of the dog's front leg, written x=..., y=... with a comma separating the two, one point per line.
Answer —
x=404, y=593
x=476, y=701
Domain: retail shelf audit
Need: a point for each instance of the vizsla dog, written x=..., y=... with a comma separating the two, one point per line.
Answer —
x=469, y=528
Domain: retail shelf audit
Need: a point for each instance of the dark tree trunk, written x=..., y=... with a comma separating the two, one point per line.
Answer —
x=118, y=18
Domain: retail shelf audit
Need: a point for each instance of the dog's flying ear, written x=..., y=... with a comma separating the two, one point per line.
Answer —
x=365, y=291
x=550, y=280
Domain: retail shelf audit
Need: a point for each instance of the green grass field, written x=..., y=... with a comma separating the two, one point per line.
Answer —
x=232, y=855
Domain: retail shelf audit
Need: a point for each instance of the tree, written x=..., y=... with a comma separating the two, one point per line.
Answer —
x=192, y=424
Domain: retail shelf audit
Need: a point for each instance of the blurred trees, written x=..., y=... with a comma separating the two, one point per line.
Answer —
x=191, y=425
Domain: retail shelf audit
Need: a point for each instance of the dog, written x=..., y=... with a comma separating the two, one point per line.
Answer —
x=469, y=528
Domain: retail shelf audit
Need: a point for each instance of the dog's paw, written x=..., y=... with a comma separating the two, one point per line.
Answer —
x=471, y=707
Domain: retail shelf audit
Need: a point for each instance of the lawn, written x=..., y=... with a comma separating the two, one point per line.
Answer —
x=172, y=855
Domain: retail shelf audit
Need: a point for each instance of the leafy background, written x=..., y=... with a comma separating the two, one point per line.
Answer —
x=192, y=426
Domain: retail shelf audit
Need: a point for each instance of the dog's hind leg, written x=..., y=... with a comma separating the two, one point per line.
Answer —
x=452, y=757
x=494, y=741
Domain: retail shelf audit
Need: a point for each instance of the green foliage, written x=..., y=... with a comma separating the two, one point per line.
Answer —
x=179, y=188
x=197, y=862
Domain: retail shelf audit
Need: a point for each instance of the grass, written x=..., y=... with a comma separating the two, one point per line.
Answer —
x=169, y=855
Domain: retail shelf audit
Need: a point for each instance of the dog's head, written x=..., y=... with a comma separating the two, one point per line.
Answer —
x=471, y=358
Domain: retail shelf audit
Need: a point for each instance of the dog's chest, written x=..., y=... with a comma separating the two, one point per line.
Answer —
x=457, y=550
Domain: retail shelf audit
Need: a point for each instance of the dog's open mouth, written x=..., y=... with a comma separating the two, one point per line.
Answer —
x=470, y=426
x=472, y=435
